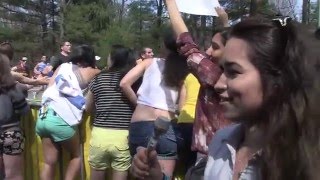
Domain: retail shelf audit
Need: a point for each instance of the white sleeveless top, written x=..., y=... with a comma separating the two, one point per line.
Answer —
x=153, y=91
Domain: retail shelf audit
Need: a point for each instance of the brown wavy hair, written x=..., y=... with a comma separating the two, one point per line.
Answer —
x=176, y=68
x=280, y=55
x=6, y=79
x=7, y=49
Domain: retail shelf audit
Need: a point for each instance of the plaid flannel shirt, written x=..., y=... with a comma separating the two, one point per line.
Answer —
x=208, y=117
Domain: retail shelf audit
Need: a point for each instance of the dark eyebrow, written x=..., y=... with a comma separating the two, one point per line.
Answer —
x=215, y=45
x=231, y=64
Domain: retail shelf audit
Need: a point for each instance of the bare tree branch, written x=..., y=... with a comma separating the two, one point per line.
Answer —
x=69, y=2
x=19, y=12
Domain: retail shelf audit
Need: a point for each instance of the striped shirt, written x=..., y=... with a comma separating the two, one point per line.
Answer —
x=113, y=109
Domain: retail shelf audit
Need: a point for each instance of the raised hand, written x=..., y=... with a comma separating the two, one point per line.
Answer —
x=223, y=16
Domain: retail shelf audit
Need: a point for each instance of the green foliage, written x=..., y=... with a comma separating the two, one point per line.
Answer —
x=314, y=14
x=36, y=26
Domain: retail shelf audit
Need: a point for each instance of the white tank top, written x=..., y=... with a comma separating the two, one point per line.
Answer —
x=153, y=91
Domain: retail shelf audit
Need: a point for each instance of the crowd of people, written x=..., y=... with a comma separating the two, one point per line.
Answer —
x=246, y=107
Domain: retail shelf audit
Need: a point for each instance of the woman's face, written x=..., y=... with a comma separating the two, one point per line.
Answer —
x=216, y=48
x=239, y=86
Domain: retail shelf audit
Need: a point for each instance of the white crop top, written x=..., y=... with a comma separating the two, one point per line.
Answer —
x=153, y=92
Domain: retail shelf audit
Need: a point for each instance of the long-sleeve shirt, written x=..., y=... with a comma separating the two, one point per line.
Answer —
x=209, y=117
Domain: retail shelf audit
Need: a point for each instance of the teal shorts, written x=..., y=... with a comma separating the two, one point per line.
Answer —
x=51, y=125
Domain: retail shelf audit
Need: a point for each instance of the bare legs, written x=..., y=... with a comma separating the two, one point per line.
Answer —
x=121, y=175
x=167, y=166
x=97, y=174
x=50, y=151
x=13, y=166
x=101, y=174
x=73, y=147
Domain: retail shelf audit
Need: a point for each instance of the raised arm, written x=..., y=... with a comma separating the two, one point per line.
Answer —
x=177, y=22
x=223, y=16
x=131, y=77
x=204, y=68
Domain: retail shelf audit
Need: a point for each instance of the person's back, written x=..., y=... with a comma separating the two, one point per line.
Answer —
x=113, y=109
x=187, y=113
x=62, y=109
x=12, y=105
x=154, y=99
x=157, y=96
x=153, y=92
x=187, y=105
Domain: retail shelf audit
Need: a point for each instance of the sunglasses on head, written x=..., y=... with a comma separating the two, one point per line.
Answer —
x=283, y=21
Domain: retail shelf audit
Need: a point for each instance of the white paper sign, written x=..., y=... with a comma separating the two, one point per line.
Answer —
x=198, y=7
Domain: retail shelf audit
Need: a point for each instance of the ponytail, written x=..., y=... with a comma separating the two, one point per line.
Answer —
x=176, y=68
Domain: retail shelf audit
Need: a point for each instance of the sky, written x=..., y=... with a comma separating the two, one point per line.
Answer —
x=298, y=8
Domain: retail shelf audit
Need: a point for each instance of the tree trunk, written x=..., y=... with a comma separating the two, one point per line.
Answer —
x=159, y=13
x=305, y=11
x=121, y=11
x=194, y=27
x=61, y=22
x=140, y=23
x=203, y=27
x=43, y=20
x=254, y=6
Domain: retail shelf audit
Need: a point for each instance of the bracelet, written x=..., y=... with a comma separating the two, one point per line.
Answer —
x=165, y=177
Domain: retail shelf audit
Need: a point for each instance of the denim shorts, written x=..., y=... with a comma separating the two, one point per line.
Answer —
x=140, y=133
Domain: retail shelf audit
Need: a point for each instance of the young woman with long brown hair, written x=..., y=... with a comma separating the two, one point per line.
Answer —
x=157, y=96
x=269, y=89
